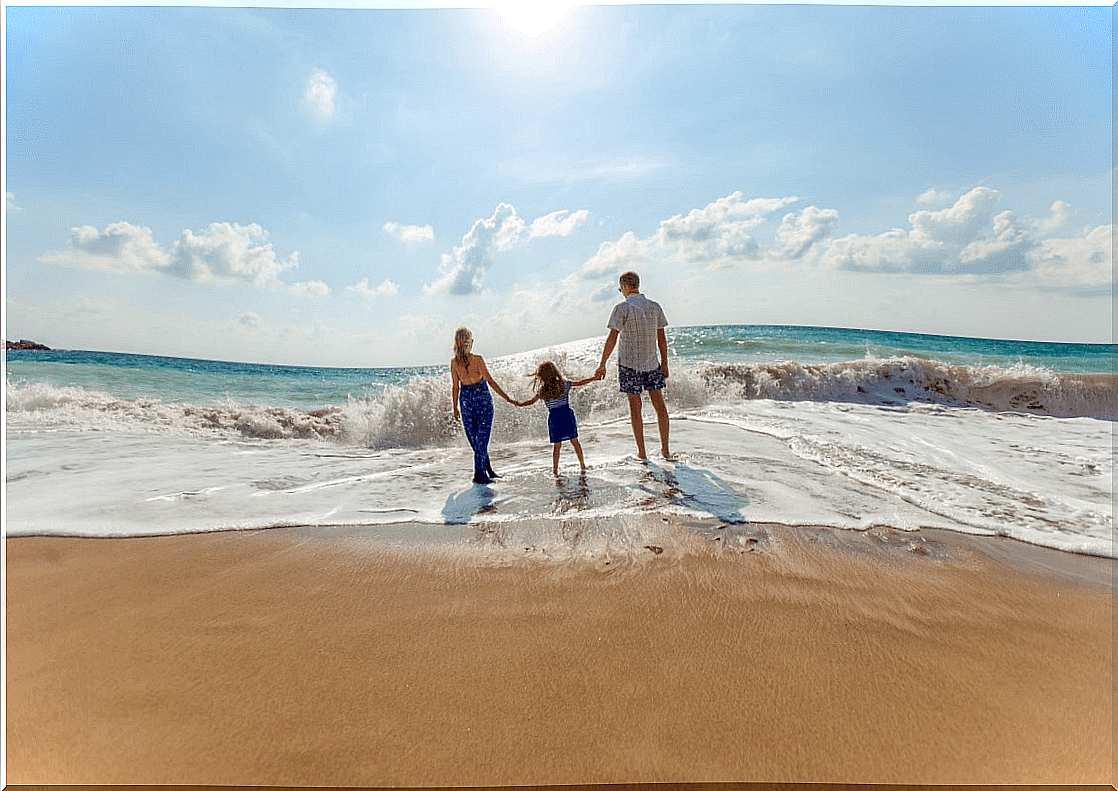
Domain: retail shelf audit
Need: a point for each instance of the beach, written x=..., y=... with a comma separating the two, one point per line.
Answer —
x=312, y=656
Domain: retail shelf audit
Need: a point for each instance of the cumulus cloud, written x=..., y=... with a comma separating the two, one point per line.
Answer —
x=228, y=252
x=10, y=203
x=410, y=234
x=934, y=197
x=1059, y=213
x=964, y=237
x=972, y=237
x=1080, y=263
x=385, y=289
x=223, y=253
x=958, y=224
x=122, y=247
x=463, y=271
x=718, y=233
x=311, y=289
x=613, y=258
x=797, y=234
x=321, y=93
x=558, y=223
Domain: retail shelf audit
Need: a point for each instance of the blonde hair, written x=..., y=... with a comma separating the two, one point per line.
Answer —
x=550, y=384
x=630, y=279
x=462, y=338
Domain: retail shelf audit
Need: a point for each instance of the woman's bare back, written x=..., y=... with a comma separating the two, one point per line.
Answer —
x=471, y=373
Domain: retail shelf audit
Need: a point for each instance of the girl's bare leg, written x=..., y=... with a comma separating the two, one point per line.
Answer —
x=555, y=458
x=578, y=452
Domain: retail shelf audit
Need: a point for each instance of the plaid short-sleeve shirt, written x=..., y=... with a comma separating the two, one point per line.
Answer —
x=637, y=319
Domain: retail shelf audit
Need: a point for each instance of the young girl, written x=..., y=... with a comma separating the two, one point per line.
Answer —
x=561, y=425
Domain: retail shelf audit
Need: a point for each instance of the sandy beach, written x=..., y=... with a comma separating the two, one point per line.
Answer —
x=317, y=657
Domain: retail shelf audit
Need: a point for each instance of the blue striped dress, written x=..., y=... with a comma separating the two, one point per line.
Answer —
x=561, y=423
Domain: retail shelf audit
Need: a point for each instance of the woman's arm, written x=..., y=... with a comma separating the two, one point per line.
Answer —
x=529, y=402
x=585, y=381
x=492, y=383
x=454, y=388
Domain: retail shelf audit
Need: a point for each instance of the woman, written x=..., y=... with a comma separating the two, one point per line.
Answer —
x=469, y=374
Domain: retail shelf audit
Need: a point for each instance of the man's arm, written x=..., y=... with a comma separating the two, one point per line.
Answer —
x=662, y=342
x=611, y=341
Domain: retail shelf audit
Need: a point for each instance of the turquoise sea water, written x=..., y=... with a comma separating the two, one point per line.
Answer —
x=849, y=428
x=195, y=380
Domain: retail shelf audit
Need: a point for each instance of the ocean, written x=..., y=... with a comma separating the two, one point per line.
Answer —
x=803, y=426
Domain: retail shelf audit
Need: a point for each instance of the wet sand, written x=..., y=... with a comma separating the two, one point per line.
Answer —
x=314, y=657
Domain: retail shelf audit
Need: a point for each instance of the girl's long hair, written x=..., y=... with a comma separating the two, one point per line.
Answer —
x=550, y=384
x=462, y=338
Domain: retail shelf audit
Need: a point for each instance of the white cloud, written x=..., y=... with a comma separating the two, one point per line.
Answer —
x=385, y=289
x=1082, y=262
x=250, y=319
x=227, y=252
x=311, y=289
x=613, y=258
x=934, y=197
x=558, y=223
x=886, y=252
x=964, y=237
x=1004, y=250
x=463, y=271
x=971, y=238
x=223, y=253
x=718, y=233
x=410, y=234
x=799, y=233
x=958, y=224
x=321, y=93
x=1059, y=213
x=10, y=203
x=122, y=247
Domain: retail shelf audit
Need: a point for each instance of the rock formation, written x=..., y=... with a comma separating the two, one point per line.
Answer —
x=26, y=346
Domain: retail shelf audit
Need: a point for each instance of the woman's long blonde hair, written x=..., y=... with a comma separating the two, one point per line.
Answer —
x=550, y=384
x=462, y=338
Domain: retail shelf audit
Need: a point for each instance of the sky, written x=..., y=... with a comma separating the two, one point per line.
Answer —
x=345, y=187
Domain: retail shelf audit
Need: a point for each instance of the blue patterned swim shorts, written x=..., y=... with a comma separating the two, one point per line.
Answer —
x=633, y=382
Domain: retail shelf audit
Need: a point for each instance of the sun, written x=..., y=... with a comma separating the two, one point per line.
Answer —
x=532, y=17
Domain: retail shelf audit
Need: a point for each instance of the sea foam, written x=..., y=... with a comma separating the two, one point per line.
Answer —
x=418, y=412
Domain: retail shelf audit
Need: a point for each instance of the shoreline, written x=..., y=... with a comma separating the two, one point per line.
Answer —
x=314, y=656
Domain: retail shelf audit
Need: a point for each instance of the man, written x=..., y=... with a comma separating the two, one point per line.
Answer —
x=639, y=324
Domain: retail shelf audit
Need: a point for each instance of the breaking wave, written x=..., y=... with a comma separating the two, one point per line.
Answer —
x=418, y=412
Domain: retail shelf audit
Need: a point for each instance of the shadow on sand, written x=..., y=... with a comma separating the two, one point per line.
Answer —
x=696, y=489
x=462, y=507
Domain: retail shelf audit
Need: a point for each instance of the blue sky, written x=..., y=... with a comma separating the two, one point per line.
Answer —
x=334, y=186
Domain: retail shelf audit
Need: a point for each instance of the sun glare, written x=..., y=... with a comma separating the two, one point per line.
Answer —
x=532, y=17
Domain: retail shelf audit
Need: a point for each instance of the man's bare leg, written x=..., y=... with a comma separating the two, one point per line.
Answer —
x=638, y=423
x=661, y=408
